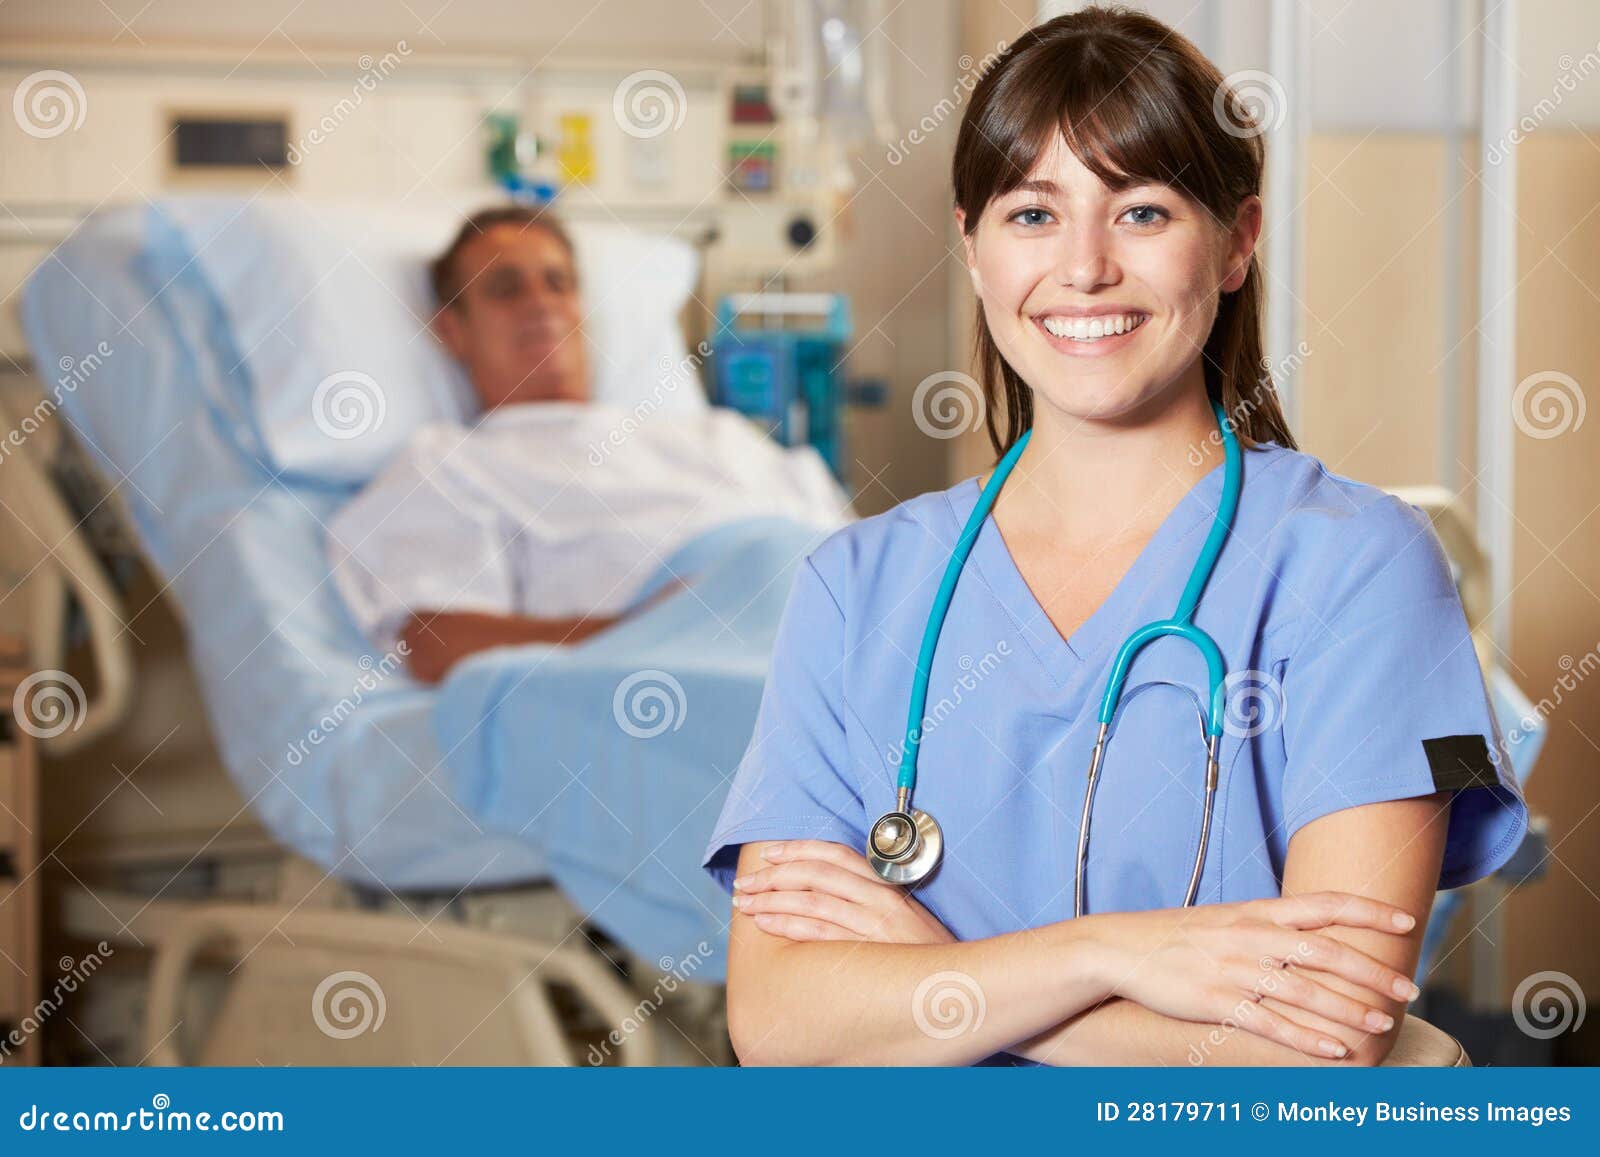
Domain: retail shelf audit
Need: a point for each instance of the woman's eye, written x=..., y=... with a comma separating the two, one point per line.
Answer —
x=1030, y=216
x=1160, y=214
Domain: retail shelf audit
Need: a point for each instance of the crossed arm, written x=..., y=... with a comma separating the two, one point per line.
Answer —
x=827, y=964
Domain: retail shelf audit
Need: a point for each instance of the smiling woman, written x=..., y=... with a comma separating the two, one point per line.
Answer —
x=1110, y=220
x=1094, y=158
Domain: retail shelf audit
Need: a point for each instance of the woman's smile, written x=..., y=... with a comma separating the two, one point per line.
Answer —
x=1094, y=336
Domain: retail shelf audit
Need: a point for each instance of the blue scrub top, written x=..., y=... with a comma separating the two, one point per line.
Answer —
x=1353, y=680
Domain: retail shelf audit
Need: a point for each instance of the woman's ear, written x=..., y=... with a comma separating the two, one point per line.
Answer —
x=1242, y=243
x=969, y=246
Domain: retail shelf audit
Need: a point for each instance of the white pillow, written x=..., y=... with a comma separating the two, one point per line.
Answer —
x=329, y=303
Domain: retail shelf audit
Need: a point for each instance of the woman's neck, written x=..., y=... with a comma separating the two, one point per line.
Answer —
x=1083, y=484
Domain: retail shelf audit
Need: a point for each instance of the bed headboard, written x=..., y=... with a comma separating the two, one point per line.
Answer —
x=94, y=125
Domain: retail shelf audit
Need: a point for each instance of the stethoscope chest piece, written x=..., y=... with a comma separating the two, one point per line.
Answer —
x=904, y=847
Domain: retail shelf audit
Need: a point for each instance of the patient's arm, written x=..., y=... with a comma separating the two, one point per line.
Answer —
x=1389, y=851
x=437, y=640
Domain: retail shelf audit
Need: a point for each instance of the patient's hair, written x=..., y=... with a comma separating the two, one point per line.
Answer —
x=1136, y=103
x=442, y=270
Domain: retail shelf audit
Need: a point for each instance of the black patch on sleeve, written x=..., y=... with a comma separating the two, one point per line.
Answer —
x=1459, y=761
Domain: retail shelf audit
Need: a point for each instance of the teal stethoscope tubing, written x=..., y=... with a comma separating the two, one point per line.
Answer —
x=1180, y=624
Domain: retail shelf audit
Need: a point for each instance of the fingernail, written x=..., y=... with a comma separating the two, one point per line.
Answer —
x=1376, y=1021
x=1406, y=989
x=740, y=901
x=772, y=853
x=741, y=882
x=1404, y=921
x=1332, y=1048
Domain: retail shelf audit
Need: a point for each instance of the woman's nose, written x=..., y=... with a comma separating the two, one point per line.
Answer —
x=1085, y=259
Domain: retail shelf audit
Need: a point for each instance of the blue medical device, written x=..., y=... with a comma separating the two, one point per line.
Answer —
x=779, y=357
x=905, y=844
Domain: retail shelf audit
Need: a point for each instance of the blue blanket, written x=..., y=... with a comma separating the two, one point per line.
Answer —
x=613, y=757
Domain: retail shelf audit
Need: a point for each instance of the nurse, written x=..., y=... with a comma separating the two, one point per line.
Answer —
x=1360, y=769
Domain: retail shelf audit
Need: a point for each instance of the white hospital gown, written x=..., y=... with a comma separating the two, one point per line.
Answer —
x=558, y=509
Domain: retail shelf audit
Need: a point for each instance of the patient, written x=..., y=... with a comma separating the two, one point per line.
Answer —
x=544, y=520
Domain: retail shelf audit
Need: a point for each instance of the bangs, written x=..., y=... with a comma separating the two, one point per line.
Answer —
x=1128, y=117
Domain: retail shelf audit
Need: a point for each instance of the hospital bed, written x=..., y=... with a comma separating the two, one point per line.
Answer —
x=208, y=318
x=421, y=801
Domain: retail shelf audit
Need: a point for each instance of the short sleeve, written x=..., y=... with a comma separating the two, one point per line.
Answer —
x=1383, y=697
x=419, y=539
x=794, y=781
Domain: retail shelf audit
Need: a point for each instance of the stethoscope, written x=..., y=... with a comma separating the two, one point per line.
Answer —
x=905, y=844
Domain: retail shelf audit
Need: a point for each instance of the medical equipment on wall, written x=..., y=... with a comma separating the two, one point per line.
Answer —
x=905, y=845
x=575, y=149
x=832, y=82
x=788, y=370
x=513, y=159
x=752, y=153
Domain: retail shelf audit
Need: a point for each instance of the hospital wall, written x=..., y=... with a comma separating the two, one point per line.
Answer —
x=1372, y=395
x=1382, y=213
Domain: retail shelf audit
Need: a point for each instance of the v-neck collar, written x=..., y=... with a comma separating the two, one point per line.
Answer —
x=1157, y=561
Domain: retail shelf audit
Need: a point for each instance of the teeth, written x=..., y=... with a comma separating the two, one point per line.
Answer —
x=1092, y=329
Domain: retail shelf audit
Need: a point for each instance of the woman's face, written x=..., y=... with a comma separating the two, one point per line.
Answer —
x=1102, y=301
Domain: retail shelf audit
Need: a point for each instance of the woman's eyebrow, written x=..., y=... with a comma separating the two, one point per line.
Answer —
x=1043, y=188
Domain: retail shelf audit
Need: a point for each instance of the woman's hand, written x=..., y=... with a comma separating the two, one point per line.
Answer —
x=1216, y=962
x=1211, y=964
x=818, y=890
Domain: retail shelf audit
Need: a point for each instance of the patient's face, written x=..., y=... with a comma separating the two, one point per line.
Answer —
x=516, y=324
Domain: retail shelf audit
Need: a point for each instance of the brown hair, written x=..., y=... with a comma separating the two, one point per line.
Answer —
x=442, y=269
x=1135, y=103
